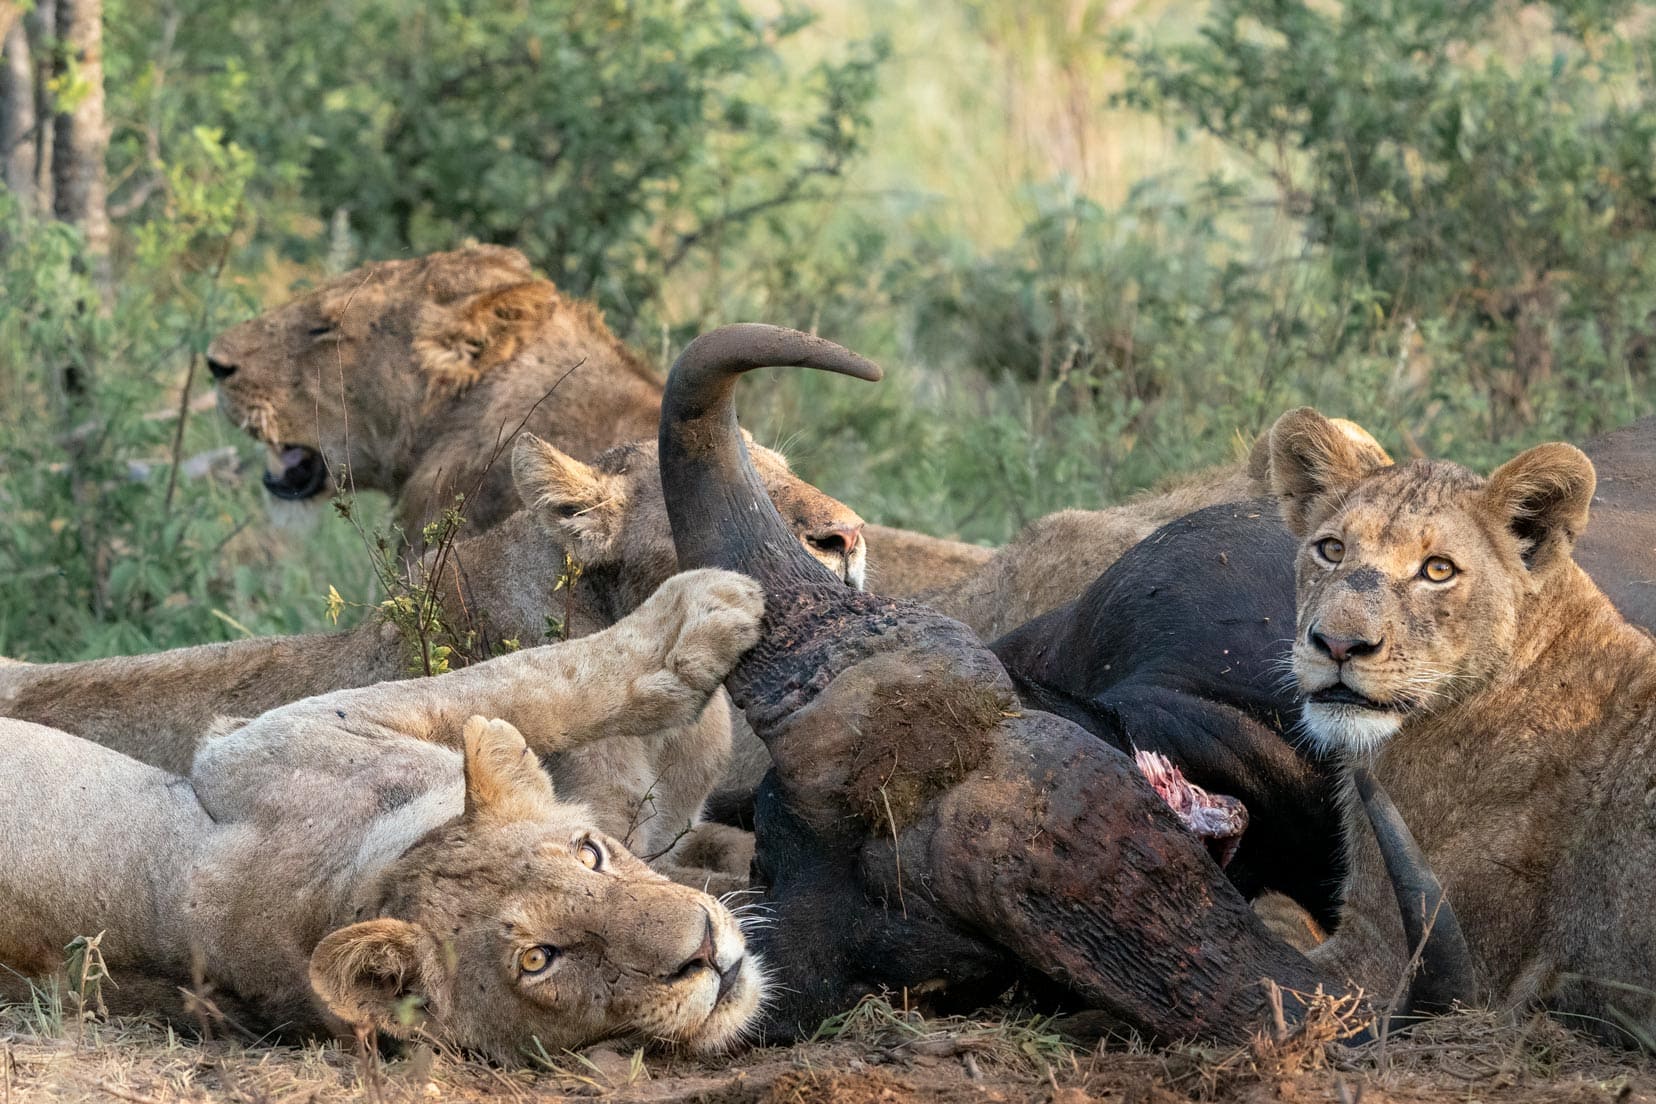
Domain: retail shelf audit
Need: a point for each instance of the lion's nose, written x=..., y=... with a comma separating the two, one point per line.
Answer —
x=1342, y=648
x=704, y=955
x=221, y=371
x=839, y=540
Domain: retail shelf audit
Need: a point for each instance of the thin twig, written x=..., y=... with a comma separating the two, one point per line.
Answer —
x=190, y=371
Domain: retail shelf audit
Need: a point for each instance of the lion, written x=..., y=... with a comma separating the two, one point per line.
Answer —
x=1446, y=638
x=592, y=543
x=414, y=376
x=394, y=857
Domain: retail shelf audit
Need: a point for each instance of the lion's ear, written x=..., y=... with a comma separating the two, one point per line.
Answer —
x=1259, y=456
x=1312, y=457
x=580, y=505
x=457, y=343
x=376, y=974
x=1542, y=497
x=504, y=779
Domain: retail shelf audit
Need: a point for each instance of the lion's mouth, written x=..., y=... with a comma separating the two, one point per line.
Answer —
x=300, y=472
x=729, y=978
x=1341, y=694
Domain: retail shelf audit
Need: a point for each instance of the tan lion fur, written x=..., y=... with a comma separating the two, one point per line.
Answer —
x=383, y=857
x=413, y=374
x=1510, y=713
x=502, y=584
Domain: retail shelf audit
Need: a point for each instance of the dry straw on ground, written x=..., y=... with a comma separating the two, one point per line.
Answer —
x=875, y=1053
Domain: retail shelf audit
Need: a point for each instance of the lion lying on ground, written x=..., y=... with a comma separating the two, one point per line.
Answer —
x=599, y=529
x=374, y=858
x=1447, y=639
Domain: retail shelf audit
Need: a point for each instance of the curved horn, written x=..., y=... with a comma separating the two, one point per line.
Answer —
x=1429, y=922
x=713, y=493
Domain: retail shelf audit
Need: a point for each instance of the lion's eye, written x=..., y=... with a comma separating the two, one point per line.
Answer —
x=535, y=960
x=1437, y=569
x=591, y=855
x=1331, y=549
x=318, y=331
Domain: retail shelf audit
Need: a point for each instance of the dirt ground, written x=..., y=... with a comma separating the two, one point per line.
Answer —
x=873, y=1055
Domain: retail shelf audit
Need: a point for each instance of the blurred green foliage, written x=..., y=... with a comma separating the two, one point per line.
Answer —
x=1435, y=218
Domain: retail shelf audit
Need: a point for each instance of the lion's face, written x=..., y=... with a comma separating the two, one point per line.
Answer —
x=332, y=379
x=612, y=511
x=1413, y=580
x=520, y=925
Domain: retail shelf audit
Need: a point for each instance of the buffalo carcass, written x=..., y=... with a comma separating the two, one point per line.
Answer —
x=920, y=831
x=1618, y=547
x=1180, y=648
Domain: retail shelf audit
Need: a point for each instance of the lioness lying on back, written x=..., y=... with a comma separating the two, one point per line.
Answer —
x=373, y=857
x=1446, y=637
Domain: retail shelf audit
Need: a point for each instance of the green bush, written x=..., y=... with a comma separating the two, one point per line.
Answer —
x=101, y=550
x=607, y=139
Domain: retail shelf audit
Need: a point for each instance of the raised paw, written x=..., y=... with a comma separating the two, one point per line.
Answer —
x=720, y=623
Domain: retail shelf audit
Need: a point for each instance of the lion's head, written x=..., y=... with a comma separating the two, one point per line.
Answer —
x=612, y=511
x=1414, y=580
x=342, y=376
x=518, y=923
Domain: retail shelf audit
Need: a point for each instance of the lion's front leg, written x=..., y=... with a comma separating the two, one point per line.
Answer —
x=654, y=669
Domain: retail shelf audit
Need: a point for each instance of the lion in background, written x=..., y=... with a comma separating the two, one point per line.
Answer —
x=387, y=858
x=1447, y=639
x=413, y=376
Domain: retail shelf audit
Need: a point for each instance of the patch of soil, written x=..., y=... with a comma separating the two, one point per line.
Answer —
x=904, y=1058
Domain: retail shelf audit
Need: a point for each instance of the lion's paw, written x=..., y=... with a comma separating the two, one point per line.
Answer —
x=717, y=615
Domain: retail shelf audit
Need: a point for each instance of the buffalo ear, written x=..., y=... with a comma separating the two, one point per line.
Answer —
x=1542, y=498
x=504, y=779
x=578, y=504
x=377, y=974
x=1312, y=457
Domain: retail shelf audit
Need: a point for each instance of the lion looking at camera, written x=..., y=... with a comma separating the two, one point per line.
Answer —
x=1447, y=638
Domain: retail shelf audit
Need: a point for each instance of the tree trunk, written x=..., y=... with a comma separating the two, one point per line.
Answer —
x=17, y=113
x=41, y=25
x=80, y=176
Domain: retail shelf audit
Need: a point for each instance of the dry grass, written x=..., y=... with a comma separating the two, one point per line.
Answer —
x=873, y=1053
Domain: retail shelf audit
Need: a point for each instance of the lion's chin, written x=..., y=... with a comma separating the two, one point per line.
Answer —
x=1349, y=726
x=733, y=1014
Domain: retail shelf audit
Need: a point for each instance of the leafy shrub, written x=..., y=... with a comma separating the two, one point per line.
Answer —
x=607, y=139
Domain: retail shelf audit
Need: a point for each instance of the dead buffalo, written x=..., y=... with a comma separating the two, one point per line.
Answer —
x=920, y=829
x=1178, y=648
